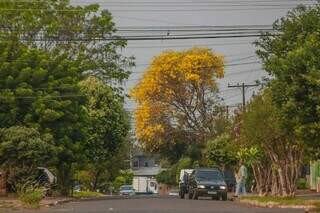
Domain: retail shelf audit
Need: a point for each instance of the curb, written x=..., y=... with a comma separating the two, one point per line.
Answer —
x=60, y=202
x=275, y=205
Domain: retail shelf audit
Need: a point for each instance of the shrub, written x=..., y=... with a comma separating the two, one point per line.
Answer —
x=302, y=184
x=125, y=178
x=86, y=194
x=166, y=177
x=31, y=194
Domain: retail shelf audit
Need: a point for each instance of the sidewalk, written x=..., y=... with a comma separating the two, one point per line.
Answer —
x=14, y=204
x=310, y=201
x=9, y=203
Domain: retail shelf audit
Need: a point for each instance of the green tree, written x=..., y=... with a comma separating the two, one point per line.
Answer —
x=292, y=59
x=261, y=128
x=221, y=151
x=80, y=32
x=40, y=90
x=108, y=128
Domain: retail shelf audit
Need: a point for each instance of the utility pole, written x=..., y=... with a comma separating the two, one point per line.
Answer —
x=243, y=87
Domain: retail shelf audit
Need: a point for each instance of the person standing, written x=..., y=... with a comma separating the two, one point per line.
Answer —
x=241, y=178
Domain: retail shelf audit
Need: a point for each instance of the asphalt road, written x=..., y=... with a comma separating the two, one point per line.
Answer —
x=157, y=205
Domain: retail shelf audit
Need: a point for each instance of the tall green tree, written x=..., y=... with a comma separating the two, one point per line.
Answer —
x=80, y=32
x=292, y=59
x=108, y=127
x=40, y=90
x=261, y=127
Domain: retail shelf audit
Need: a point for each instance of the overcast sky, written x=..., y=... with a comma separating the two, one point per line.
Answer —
x=133, y=13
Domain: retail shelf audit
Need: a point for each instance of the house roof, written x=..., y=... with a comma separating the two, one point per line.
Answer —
x=147, y=171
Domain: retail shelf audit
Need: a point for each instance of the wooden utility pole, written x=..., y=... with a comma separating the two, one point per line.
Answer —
x=243, y=87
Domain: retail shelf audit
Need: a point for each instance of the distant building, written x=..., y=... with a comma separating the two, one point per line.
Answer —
x=145, y=168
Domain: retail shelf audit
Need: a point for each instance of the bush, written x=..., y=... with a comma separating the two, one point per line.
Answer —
x=86, y=194
x=31, y=194
x=125, y=178
x=166, y=177
x=302, y=184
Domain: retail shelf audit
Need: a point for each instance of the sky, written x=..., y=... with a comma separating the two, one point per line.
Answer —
x=172, y=13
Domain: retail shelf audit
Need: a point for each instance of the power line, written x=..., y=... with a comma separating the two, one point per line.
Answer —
x=227, y=65
x=185, y=26
x=188, y=45
x=155, y=10
x=44, y=96
x=143, y=38
x=199, y=10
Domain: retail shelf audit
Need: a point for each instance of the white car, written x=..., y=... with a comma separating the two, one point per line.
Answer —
x=127, y=190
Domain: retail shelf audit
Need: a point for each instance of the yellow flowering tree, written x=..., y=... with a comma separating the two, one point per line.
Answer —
x=177, y=99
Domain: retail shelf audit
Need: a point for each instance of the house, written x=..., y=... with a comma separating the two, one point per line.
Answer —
x=145, y=168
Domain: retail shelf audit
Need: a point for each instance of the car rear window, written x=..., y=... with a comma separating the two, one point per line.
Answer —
x=209, y=175
x=126, y=188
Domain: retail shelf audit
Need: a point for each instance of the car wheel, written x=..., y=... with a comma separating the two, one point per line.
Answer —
x=224, y=196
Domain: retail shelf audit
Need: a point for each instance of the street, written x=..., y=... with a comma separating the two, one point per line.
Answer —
x=156, y=205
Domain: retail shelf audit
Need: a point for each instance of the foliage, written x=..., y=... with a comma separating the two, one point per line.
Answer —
x=108, y=129
x=302, y=184
x=80, y=32
x=31, y=194
x=167, y=177
x=171, y=175
x=40, y=90
x=125, y=178
x=250, y=155
x=50, y=47
x=177, y=100
x=86, y=194
x=291, y=58
x=21, y=150
x=264, y=141
x=221, y=151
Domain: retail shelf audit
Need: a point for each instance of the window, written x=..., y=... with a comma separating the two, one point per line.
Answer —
x=146, y=164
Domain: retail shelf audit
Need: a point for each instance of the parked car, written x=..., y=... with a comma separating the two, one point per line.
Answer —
x=127, y=190
x=207, y=183
x=183, y=182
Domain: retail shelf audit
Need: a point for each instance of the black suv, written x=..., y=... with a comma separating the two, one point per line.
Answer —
x=207, y=183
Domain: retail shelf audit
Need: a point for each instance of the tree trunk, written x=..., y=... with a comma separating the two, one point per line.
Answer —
x=64, y=180
x=275, y=186
x=96, y=180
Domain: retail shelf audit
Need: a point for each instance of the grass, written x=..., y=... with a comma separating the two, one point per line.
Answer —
x=32, y=197
x=30, y=194
x=87, y=194
x=284, y=201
